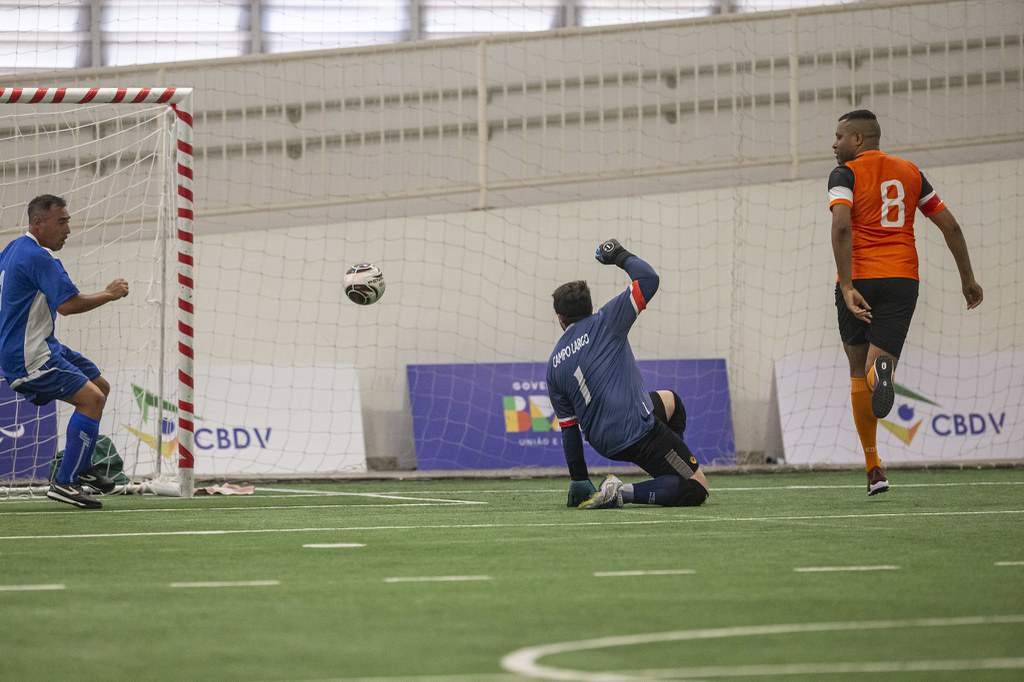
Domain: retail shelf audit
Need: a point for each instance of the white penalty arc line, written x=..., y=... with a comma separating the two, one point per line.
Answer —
x=525, y=661
x=830, y=669
x=471, y=526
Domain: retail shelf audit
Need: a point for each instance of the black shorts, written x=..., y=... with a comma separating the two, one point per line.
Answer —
x=892, y=300
x=659, y=453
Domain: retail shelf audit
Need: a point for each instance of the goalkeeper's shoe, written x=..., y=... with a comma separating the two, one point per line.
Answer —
x=96, y=480
x=608, y=496
x=72, y=493
x=883, y=396
x=877, y=482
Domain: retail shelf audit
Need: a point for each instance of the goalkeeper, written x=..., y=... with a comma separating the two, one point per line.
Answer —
x=34, y=287
x=595, y=388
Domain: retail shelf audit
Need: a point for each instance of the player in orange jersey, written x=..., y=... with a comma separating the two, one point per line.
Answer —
x=874, y=198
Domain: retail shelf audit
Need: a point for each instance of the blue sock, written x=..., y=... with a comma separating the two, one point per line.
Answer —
x=81, y=439
x=662, y=490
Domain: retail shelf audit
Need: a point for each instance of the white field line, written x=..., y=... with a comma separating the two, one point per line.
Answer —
x=383, y=496
x=660, y=571
x=838, y=569
x=1009, y=563
x=258, y=507
x=525, y=661
x=647, y=521
x=30, y=588
x=228, y=583
x=714, y=488
x=334, y=545
x=436, y=578
x=886, y=668
x=293, y=493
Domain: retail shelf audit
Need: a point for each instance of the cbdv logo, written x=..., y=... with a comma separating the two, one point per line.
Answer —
x=164, y=435
x=159, y=425
x=940, y=422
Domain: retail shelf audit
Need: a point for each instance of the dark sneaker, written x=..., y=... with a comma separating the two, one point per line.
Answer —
x=608, y=496
x=877, y=482
x=95, y=479
x=71, y=493
x=884, y=394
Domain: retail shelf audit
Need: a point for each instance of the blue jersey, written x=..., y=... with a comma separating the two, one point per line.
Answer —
x=33, y=283
x=592, y=376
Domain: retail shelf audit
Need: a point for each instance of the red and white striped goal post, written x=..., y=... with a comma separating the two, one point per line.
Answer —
x=180, y=100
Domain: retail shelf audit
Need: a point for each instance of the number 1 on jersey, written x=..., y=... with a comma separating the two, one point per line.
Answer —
x=583, y=385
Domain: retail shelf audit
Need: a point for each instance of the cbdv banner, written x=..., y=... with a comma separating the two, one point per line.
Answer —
x=28, y=437
x=947, y=408
x=498, y=416
x=250, y=419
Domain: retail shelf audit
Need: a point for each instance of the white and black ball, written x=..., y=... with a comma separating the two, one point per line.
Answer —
x=364, y=283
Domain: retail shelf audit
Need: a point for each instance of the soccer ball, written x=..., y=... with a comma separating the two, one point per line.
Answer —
x=364, y=283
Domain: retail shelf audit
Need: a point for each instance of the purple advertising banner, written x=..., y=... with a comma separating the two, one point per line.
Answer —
x=28, y=437
x=498, y=416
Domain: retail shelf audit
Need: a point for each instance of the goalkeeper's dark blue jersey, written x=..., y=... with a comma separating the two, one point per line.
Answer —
x=592, y=376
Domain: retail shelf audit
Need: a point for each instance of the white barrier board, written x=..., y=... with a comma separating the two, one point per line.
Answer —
x=947, y=409
x=250, y=419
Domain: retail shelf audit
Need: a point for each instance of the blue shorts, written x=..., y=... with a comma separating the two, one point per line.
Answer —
x=59, y=378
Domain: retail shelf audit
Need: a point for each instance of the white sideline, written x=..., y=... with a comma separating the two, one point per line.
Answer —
x=645, y=521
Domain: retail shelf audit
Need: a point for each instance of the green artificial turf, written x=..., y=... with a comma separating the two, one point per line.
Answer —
x=943, y=599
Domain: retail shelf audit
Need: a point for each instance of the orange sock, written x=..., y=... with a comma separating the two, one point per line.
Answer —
x=871, y=379
x=867, y=424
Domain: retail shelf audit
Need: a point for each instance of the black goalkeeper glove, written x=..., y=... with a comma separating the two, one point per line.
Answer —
x=579, y=492
x=612, y=253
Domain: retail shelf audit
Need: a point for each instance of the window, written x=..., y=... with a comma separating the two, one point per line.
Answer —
x=154, y=31
x=297, y=25
x=42, y=34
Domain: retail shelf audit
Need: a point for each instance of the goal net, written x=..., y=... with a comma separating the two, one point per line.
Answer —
x=122, y=159
x=480, y=174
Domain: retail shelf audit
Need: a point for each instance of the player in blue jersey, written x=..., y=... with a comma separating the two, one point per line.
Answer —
x=595, y=387
x=34, y=287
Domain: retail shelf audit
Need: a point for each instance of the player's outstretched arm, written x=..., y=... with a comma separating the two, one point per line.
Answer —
x=957, y=245
x=83, y=303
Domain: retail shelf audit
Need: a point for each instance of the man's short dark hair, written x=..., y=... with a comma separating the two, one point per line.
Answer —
x=43, y=203
x=864, y=122
x=572, y=301
x=859, y=114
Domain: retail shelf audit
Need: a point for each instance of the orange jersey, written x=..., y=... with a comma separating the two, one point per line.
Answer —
x=883, y=193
